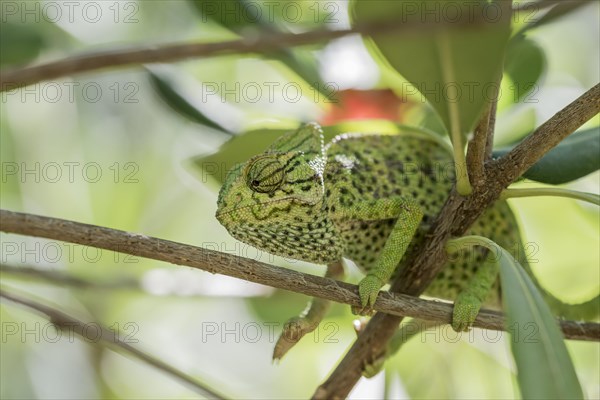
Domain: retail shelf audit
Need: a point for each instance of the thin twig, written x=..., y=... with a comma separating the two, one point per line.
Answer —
x=480, y=147
x=109, y=339
x=262, y=44
x=457, y=215
x=251, y=270
x=66, y=279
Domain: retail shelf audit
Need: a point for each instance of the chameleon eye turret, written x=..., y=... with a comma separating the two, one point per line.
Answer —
x=265, y=174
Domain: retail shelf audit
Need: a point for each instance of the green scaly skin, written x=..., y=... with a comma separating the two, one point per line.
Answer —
x=368, y=198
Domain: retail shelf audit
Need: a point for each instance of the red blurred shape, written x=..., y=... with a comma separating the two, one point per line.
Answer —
x=364, y=104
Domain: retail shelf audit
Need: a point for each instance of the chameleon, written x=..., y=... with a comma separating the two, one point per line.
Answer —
x=369, y=198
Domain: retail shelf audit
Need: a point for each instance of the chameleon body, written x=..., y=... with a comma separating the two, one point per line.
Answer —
x=368, y=198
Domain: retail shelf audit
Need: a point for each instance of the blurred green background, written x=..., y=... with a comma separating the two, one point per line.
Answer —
x=107, y=148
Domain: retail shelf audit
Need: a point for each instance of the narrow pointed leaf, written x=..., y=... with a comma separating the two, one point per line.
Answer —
x=545, y=370
x=180, y=102
x=251, y=18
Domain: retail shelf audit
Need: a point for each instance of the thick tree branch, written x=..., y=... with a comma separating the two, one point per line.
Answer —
x=457, y=215
x=251, y=270
x=107, y=338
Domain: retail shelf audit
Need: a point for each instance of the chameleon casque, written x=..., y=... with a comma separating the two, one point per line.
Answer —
x=368, y=198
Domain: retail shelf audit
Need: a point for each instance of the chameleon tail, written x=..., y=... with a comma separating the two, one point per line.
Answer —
x=295, y=328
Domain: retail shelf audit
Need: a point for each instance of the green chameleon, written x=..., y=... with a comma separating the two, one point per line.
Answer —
x=368, y=198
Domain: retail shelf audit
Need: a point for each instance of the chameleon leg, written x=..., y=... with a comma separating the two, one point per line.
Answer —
x=295, y=328
x=469, y=301
x=407, y=331
x=408, y=215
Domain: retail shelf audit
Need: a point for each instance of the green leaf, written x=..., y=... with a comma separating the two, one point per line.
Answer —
x=573, y=158
x=167, y=89
x=524, y=64
x=544, y=368
x=453, y=65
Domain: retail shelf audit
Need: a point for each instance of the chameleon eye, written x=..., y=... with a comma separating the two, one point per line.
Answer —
x=265, y=175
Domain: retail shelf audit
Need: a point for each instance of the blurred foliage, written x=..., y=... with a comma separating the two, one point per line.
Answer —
x=251, y=18
x=180, y=102
x=150, y=183
x=30, y=41
x=524, y=64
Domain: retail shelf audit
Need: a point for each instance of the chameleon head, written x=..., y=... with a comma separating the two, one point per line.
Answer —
x=276, y=200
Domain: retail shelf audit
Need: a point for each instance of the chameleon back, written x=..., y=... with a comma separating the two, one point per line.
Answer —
x=293, y=199
x=365, y=167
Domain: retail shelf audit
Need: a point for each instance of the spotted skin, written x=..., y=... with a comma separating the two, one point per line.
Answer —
x=297, y=199
x=371, y=199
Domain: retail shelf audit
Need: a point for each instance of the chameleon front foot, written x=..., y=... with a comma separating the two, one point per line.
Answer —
x=368, y=290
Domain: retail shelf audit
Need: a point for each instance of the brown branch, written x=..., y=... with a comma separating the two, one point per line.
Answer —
x=252, y=270
x=457, y=215
x=264, y=43
x=479, y=150
x=107, y=338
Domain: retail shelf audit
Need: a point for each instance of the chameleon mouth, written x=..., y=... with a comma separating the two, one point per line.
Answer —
x=230, y=210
